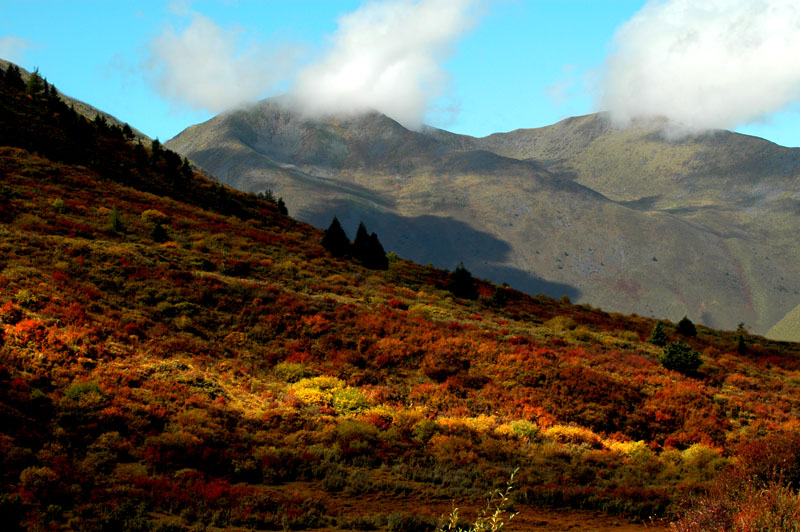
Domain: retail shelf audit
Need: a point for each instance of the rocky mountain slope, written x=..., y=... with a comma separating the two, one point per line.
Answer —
x=627, y=220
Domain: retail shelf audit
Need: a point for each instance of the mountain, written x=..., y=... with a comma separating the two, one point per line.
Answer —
x=177, y=355
x=788, y=329
x=624, y=219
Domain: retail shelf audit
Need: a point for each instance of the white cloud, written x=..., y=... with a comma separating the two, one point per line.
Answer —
x=386, y=56
x=13, y=48
x=209, y=67
x=704, y=65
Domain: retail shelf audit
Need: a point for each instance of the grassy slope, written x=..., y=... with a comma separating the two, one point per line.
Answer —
x=233, y=374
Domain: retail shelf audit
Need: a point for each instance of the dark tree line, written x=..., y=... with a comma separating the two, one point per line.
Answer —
x=35, y=118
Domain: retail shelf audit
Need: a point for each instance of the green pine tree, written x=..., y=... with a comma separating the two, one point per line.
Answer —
x=35, y=83
x=658, y=336
x=376, y=256
x=686, y=327
x=462, y=284
x=360, y=249
x=335, y=239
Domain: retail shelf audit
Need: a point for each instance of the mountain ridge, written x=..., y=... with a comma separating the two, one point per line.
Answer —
x=694, y=225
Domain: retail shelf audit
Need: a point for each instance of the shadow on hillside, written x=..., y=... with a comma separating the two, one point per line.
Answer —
x=262, y=171
x=441, y=241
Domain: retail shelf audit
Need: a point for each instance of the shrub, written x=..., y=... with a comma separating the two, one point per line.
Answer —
x=154, y=216
x=405, y=522
x=291, y=371
x=680, y=357
x=115, y=221
x=349, y=401
x=525, y=429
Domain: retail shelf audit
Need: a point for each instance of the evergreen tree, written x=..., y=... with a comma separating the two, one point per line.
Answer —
x=186, y=169
x=35, y=84
x=462, y=283
x=360, y=249
x=741, y=345
x=155, y=151
x=127, y=132
x=658, y=336
x=335, y=239
x=282, y=207
x=376, y=256
x=368, y=250
x=686, y=327
x=14, y=78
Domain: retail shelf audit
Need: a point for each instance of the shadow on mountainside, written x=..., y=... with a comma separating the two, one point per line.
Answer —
x=440, y=241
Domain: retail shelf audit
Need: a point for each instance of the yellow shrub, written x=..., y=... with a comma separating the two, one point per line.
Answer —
x=573, y=435
x=561, y=323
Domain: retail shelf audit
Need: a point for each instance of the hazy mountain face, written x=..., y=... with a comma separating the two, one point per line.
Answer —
x=627, y=220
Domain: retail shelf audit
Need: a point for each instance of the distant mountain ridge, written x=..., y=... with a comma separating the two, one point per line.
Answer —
x=623, y=219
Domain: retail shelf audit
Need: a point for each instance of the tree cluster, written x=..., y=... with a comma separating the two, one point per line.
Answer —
x=366, y=248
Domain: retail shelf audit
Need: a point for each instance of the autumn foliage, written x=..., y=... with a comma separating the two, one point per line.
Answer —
x=229, y=372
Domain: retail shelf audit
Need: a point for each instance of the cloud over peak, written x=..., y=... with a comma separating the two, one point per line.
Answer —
x=386, y=56
x=208, y=67
x=704, y=65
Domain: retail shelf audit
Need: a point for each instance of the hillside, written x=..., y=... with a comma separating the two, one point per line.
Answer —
x=788, y=329
x=177, y=355
x=82, y=108
x=622, y=219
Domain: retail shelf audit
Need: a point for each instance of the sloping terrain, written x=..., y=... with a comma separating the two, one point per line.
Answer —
x=81, y=107
x=622, y=219
x=177, y=354
x=788, y=329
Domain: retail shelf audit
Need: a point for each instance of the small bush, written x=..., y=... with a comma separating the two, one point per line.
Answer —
x=680, y=357
x=525, y=429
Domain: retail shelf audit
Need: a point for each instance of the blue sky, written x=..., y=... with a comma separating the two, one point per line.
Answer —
x=502, y=65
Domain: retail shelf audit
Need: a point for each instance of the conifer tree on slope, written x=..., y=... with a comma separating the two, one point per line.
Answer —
x=368, y=250
x=335, y=239
x=361, y=243
x=376, y=258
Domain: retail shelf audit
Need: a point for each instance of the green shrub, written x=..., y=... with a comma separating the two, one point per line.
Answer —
x=349, y=401
x=292, y=371
x=680, y=357
x=525, y=429
x=114, y=221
